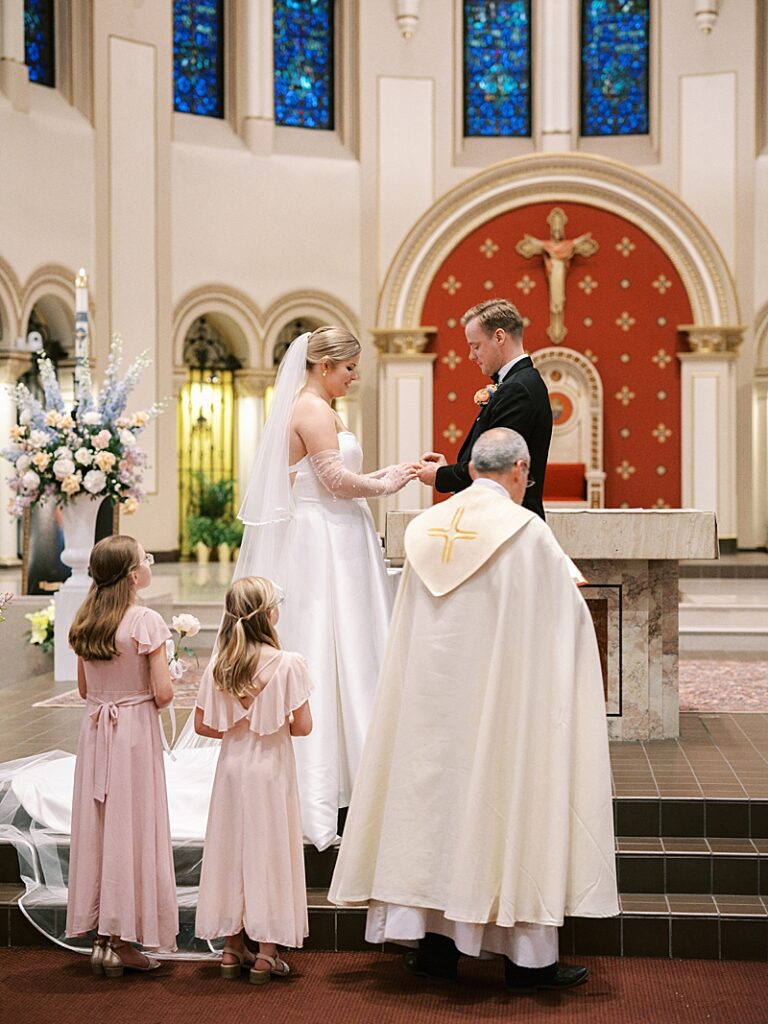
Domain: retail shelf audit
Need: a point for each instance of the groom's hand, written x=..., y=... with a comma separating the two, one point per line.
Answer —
x=430, y=463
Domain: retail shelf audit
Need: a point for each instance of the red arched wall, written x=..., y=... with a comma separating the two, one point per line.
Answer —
x=623, y=305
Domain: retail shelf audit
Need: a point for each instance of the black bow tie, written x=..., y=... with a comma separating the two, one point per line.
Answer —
x=495, y=378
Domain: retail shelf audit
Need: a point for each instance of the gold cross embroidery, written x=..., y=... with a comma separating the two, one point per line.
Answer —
x=451, y=534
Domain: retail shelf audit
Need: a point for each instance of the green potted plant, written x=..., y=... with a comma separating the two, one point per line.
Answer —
x=232, y=532
x=202, y=535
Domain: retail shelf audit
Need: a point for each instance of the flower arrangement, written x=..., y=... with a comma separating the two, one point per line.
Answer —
x=5, y=599
x=91, y=449
x=41, y=633
x=185, y=625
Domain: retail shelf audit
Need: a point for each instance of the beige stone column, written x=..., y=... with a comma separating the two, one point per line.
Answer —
x=250, y=414
x=132, y=50
x=554, y=39
x=256, y=85
x=708, y=415
x=12, y=365
x=14, y=78
x=405, y=406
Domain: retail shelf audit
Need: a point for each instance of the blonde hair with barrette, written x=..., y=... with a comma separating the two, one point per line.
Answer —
x=247, y=626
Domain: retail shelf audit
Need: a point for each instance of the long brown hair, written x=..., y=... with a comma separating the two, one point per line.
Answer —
x=92, y=635
x=247, y=625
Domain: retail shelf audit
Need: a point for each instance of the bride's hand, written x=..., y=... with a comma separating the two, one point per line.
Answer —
x=396, y=477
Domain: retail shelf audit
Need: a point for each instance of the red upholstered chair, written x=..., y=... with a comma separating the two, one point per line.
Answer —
x=565, y=481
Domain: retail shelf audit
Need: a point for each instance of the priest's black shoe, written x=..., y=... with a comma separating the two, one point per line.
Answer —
x=553, y=977
x=436, y=959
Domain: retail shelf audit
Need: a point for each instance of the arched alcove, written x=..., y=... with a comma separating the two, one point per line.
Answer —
x=231, y=312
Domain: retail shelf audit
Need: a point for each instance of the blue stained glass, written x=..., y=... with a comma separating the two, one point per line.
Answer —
x=303, y=44
x=39, y=41
x=198, y=57
x=614, y=67
x=497, y=67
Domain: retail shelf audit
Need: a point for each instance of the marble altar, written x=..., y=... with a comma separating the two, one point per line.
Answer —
x=630, y=558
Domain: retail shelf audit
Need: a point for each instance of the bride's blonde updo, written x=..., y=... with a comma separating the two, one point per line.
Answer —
x=334, y=344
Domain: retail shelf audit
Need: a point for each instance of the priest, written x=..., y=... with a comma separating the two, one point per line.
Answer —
x=482, y=812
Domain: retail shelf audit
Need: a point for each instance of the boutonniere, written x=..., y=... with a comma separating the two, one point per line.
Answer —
x=483, y=396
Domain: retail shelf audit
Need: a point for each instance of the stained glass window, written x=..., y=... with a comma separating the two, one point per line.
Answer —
x=198, y=57
x=303, y=41
x=497, y=67
x=614, y=67
x=39, y=41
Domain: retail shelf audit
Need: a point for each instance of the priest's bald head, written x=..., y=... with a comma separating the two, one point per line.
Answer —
x=502, y=454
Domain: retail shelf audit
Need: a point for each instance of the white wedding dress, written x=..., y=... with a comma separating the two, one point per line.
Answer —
x=336, y=613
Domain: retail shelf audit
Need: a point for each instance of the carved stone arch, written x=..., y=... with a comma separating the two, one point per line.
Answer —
x=568, y=370
x=546, y=177
x=305, y=305
x=235, y=307
x=52, y=286
x=10, y=301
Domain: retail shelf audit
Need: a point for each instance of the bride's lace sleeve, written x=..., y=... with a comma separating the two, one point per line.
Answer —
x=343, y=483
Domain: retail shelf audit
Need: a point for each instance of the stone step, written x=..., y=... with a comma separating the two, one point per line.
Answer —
x=643, y=865
x=701, y=926
x=678, y=817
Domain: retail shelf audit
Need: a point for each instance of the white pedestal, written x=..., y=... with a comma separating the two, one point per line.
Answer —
x=79, y=522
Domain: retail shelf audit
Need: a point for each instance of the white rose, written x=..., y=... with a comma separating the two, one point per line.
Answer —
x=84, y=456
x=186, y=624
x=30, y=480
x=62, y=453
x=92, y=419
x=63, y=467
x=102, y=439
x=94, y=481
x=127, y=438
x=23, y=463
x=25, y=417
x=38, y=439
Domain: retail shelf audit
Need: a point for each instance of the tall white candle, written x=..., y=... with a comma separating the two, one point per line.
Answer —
x=81, y=323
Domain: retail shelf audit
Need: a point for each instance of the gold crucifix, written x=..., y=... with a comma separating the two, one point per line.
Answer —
x=557, y=252
x=451, y=534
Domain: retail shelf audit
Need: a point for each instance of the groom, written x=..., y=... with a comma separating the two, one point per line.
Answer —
x=517, y=399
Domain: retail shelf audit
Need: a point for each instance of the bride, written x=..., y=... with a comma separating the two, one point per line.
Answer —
x=309, y=528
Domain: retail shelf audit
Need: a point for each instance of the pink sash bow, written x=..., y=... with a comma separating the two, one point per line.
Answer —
x=105, y=715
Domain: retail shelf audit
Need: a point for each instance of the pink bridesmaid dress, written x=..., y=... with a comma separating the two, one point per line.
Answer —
x=121, y=875
x=252, y=876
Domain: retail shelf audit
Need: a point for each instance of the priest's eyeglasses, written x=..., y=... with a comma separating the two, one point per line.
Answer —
x=526, y=466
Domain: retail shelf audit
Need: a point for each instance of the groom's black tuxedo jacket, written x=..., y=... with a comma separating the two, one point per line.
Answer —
x=520, y=402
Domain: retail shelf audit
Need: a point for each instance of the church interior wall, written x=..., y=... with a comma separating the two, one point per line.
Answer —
x=253, y=217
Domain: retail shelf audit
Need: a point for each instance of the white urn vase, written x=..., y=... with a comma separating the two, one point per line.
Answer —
x=78, y=520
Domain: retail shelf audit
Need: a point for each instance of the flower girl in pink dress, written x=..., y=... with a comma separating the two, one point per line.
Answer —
x=121, y=876
x=254, y=697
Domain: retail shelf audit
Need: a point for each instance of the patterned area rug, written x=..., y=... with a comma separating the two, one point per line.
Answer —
x=730, y=686
x=727, y=686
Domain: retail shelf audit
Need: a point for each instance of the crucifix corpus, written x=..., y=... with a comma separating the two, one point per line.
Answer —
x=557, y=252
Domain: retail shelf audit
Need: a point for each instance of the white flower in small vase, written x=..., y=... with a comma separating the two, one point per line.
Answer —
x=94, y=481
x=63, y=467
